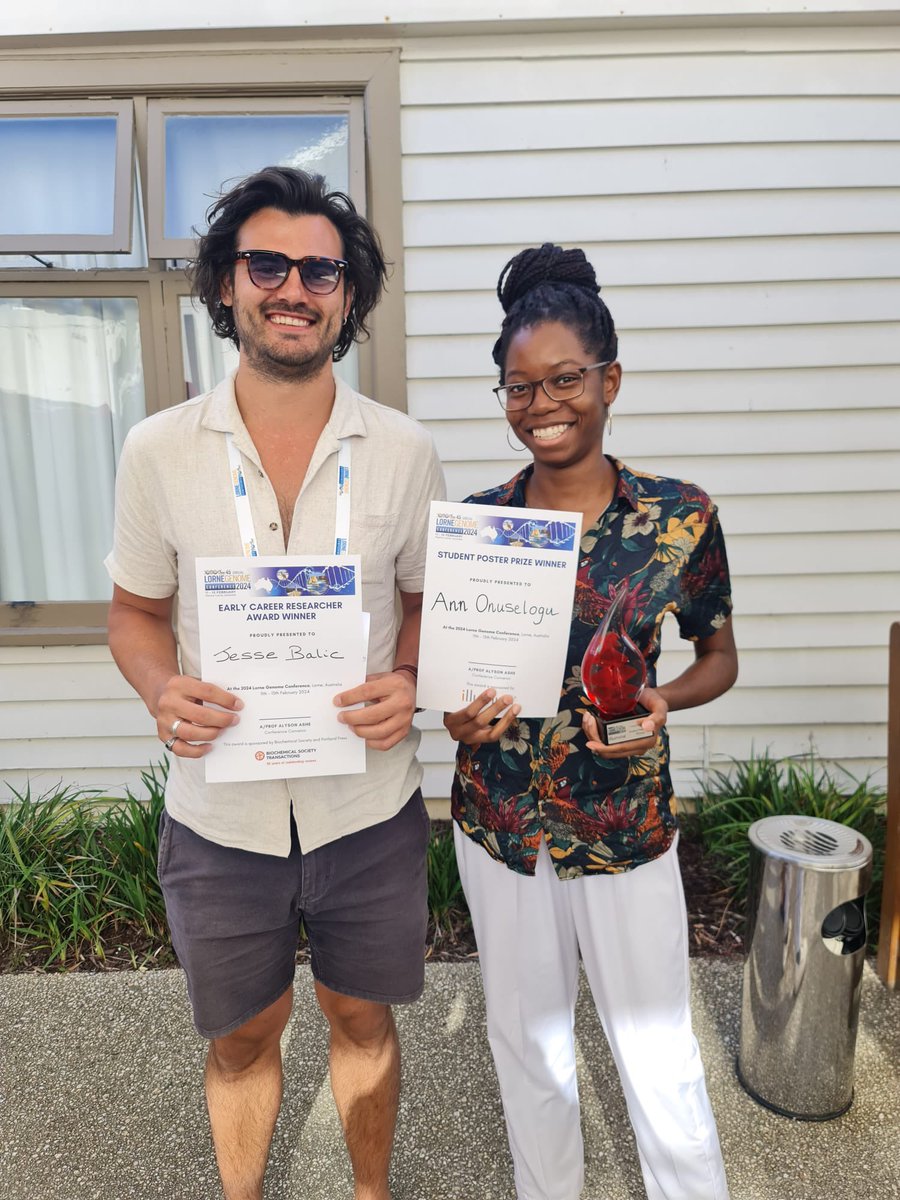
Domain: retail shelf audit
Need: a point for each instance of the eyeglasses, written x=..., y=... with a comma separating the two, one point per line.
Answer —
x=268, y=270
x=567, y=385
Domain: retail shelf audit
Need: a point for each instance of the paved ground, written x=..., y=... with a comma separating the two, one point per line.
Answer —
x=100, y=1100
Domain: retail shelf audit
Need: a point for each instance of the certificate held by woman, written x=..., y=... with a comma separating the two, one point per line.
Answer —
x=497, y=605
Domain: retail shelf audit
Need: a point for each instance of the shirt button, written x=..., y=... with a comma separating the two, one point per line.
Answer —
x=273, y=525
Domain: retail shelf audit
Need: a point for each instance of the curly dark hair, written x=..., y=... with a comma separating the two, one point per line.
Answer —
x=552, y=284
x=297, y=193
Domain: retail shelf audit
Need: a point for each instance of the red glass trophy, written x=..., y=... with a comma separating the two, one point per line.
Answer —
x=613, y=676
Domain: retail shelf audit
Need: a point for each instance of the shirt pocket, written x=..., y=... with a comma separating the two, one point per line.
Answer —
x=372, y=538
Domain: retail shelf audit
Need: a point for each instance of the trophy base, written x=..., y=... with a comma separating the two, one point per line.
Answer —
x=617, y=730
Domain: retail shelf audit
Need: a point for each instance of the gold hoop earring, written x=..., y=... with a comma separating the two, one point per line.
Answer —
x=609, y=418
x=518, y=449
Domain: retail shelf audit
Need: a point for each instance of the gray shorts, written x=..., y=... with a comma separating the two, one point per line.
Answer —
x=234, y=916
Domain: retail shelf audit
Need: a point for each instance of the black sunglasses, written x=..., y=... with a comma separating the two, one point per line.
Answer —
x=268, y=269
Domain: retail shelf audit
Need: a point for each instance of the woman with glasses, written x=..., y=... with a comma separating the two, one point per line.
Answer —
x=567, y=846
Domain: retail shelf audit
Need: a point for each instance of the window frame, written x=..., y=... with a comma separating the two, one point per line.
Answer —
x=175, y=287
x=161, y=246
x=191, y=70
x=119, y=239
x=61, y=622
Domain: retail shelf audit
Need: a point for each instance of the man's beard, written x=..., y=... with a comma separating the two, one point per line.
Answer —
x=286, y=366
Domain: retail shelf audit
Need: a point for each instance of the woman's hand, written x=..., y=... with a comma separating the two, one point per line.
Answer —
x=472, y=724
x=657, y=711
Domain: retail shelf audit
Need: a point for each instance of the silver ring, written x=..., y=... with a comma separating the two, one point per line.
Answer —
x=170, y=743
x=173, y=728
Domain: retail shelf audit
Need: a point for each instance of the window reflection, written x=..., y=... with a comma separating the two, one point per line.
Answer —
x=206, y=153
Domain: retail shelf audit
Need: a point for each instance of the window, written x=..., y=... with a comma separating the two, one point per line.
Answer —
x=196, y=147
x=67, y=176
x=72, y=383
x=97, y=327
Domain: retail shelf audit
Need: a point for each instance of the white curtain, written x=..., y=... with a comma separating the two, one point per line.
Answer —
x=71, y=385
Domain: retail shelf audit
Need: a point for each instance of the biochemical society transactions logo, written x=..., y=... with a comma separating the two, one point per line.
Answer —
x=281, y=581
x=521, y=533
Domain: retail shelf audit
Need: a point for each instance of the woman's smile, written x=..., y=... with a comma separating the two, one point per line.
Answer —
x=548, y=433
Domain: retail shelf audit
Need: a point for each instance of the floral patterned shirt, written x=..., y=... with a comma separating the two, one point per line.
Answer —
x=540, y=779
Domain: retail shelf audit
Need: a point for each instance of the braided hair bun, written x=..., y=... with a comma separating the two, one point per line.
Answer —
x=547, y=284
x=548, y=264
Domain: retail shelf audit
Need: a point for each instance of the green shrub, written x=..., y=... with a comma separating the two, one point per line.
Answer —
x=78, y=883
x=731, y=800
x=128, y=835
x=78, y=874
x=44, y=892
x=446, y=902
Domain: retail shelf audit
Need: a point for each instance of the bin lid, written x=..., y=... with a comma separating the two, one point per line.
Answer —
x=813, y=841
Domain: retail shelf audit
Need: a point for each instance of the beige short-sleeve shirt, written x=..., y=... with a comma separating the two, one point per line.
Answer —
x=174, y=503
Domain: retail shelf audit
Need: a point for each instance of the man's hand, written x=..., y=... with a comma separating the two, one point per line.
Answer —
x=657, y=712
x=472, y=724
x=143, y=644
x=390, y=702
x=187, y=701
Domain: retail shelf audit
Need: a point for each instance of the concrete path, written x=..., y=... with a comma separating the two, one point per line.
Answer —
x=100, y=1099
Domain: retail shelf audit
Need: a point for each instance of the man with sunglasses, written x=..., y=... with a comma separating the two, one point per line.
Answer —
x=289, y=272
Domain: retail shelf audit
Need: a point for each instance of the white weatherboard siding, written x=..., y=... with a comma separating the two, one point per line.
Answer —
x=740, y=197
x=739, y=191
x=67, y=715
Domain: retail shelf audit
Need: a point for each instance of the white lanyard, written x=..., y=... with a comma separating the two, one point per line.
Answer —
x=242, y=500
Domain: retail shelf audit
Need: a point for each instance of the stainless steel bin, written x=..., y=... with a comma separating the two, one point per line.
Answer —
x=806, y=949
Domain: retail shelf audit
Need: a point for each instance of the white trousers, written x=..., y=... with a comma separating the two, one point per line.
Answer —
x=631, y=930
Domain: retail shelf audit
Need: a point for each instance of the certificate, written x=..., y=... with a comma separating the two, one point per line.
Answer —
x=497, y=607
x=286, y=635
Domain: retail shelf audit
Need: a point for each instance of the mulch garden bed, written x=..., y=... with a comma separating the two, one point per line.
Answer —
x=714, y=920
x=714, y=924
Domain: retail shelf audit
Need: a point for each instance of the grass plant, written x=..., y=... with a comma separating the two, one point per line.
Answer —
x=78, y=883
x=763, y=786
x=78, y=875
x=128, y=835
x=446, y=902
x=79, y=889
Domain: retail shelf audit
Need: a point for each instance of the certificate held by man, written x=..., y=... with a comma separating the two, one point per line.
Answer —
x=286, y=635
x=499, y=587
